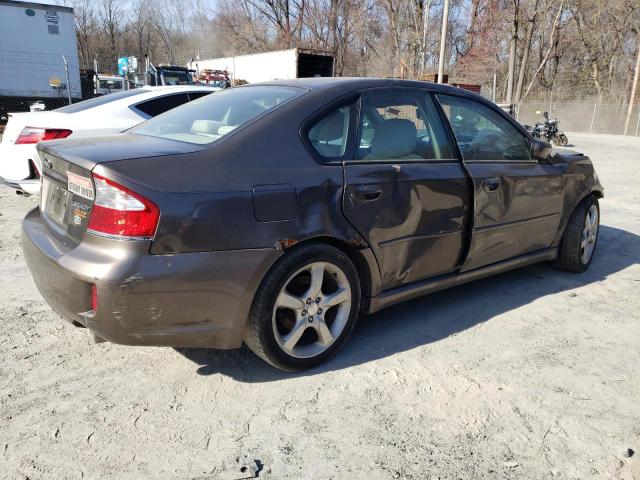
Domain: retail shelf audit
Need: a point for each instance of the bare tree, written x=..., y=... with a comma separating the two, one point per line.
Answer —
x=110, y=13
x=576, y=48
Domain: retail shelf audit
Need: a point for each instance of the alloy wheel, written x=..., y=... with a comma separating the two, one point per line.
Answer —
x=311, y=309
x=589, y=234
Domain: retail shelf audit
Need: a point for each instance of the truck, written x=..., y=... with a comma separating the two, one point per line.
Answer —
x=214, y=78
x=34, y=38
x=277, y=65
x=167, y=74
x=105, y=84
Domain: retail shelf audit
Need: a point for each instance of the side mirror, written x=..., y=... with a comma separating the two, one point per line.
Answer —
x=540, y=149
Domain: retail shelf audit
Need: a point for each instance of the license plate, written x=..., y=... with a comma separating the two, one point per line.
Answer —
x=80, y=185
x=57, y=203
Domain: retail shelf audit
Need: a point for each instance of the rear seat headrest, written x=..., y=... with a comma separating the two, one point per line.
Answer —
x=394, y=138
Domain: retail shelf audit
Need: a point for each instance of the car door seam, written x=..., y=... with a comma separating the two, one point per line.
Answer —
x=514, y=222
x=419, y=236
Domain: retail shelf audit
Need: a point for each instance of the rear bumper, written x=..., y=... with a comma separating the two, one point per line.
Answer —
x=28, y=187
x=14, y=160
x=15, y=171
x=182, y=300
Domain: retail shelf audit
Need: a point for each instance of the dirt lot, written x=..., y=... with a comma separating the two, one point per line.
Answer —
x=531, y=374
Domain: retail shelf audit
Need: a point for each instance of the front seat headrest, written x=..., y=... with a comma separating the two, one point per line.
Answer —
x=394, y=138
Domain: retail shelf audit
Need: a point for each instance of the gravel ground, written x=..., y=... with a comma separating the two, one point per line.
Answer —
x=531, y=374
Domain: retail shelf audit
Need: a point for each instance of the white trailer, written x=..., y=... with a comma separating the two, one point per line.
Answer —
x=33, y=39
x=278, y=65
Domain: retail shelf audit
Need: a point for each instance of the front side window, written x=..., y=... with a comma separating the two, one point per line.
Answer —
x=400, y=125
x=210, y=118
x=482, y=133
x=329, y=135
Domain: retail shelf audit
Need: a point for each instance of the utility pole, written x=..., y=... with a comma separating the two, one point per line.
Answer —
x=66, y=70
x=633, y=90
x=443, y=41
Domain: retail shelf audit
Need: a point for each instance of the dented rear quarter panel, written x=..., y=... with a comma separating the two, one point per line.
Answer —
x=232, y=194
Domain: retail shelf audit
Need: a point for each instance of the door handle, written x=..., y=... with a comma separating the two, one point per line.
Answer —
x=369, y=192
x=492, y=184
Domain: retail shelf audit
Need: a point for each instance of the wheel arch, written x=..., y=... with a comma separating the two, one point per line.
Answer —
x=595, y=192
x=361, y=256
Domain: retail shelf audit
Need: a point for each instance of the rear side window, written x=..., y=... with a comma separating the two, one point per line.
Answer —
x=196, y=95
x=212, y=117
x=401, y=125
x=482, y=133
x=329, y=135
x=163, y=104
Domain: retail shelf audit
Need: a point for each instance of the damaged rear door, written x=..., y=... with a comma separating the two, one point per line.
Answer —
x=404, y=191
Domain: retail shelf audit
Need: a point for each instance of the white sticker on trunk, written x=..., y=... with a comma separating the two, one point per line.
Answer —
x=80, y=185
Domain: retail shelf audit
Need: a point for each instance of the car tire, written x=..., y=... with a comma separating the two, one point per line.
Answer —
x=581, y=234
x=564, y=141
x=287, y=327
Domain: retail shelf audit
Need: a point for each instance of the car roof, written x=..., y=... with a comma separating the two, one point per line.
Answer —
x=330, y=84
x=178, y=88
x=320, y=83
x=125, y=98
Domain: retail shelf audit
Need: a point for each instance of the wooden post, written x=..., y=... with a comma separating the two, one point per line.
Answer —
x=633, y=90
x=593, y=118
x=493, y=89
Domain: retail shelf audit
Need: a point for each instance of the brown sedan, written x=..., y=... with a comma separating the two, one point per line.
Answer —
x=275, y=214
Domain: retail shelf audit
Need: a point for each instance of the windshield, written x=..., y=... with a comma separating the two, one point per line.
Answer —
x=111, y=84
x=96, y=102
x=176, y=77
x=211, y=117
x=219, y=83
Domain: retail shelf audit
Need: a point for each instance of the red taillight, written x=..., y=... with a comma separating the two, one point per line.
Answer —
x=121, y=212
x=94, y=298
x=35, y=135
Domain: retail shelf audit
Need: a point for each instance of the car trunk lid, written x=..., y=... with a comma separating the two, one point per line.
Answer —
x=68, y=187
x=66, y=199
x=91, y=151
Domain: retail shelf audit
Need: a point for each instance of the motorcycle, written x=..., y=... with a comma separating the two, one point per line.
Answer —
x=549, y=131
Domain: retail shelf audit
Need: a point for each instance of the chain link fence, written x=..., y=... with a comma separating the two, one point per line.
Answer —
x=586, y=117
x=12, y=101
x=581, y=117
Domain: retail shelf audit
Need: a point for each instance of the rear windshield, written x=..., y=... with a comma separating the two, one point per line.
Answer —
x=96, y=102
x=210, y=118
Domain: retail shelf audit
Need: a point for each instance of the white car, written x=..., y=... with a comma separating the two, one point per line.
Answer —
x=19, y=162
